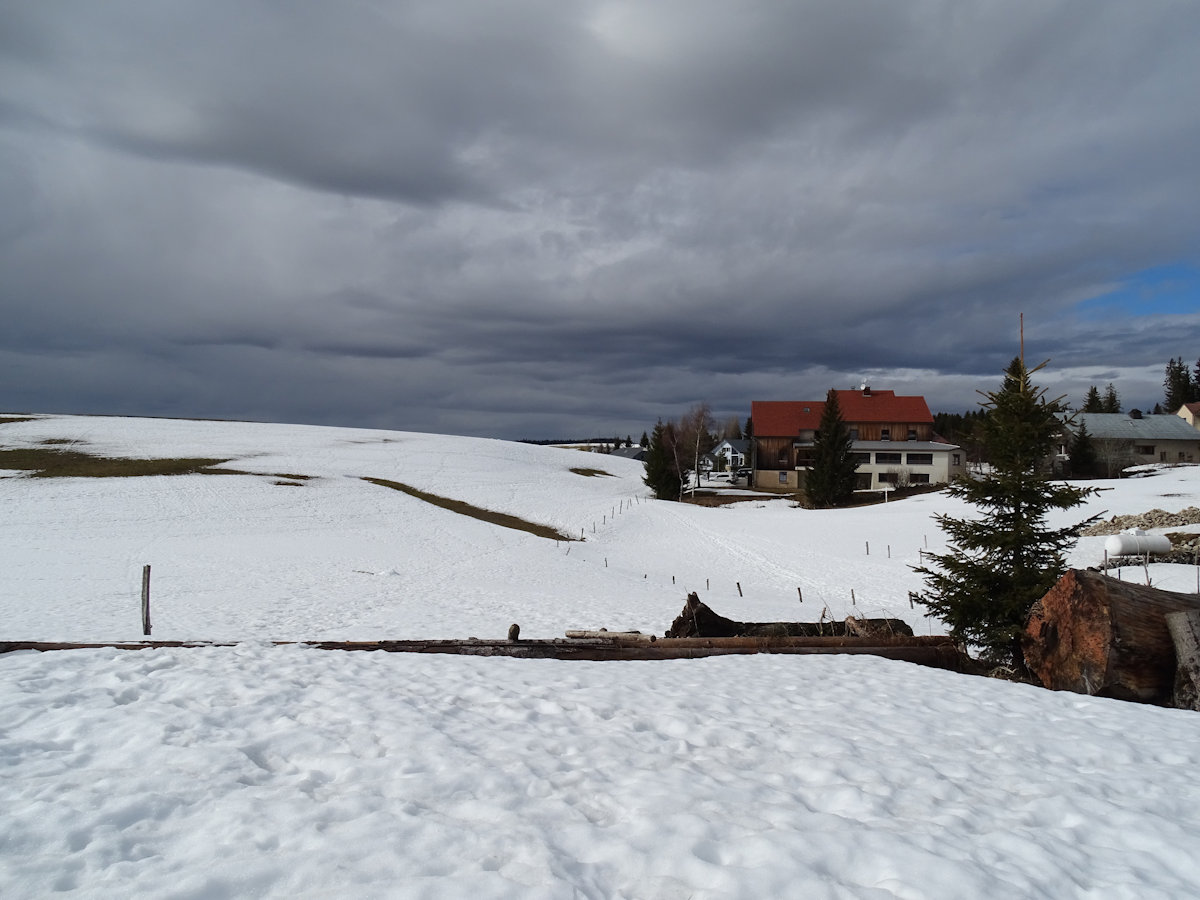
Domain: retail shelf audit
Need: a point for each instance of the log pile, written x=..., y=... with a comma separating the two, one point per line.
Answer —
x=698, y=620
x=1092, y=634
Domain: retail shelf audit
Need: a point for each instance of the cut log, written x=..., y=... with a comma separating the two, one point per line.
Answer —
x=1092, y=634
x=699, y=620
x=1184, y=627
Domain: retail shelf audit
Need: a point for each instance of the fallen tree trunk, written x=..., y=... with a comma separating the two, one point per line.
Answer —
x=698, y=620
x=938, y=652
x=1092, y=634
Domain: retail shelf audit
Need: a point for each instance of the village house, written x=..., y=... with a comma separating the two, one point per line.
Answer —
x=730, y=454
x=1189, y=412
x=894, y=441
x=1133, y=439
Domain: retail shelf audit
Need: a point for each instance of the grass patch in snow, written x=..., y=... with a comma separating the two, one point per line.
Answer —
x=8, y=420
x=475, y=512
x=45, y=462
x=592, y=473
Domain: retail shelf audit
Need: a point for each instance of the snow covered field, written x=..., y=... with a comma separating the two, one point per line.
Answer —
x=260, y=771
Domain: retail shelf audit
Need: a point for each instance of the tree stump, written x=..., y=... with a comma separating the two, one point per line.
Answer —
x=1185, y=634
x=1092, y=634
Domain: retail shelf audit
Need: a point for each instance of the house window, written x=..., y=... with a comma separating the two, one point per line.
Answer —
x=956, y=459
x=783, y=456
x=885, y=434
x=863, y=459
x=783, y=477
x=912, y=434
x=887, y=459
x=1143, y=449
x=920, y=459
x=1182, y=456
x=919, y=478
x=854, y=434
x=889, y=477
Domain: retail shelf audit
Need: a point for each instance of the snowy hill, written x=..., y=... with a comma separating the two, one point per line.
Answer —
x=291, y=772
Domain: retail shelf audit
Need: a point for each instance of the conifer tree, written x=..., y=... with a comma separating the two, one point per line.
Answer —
x=1002, y=561
x=830, y=481
x=1178, y=385
x=1112, y=400
x=1083, y=454
x=1092, y=402
x=662, y=476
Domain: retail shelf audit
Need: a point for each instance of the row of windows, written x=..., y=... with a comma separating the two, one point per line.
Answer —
x=894, y=459
x=804, y=457
x=913, y=478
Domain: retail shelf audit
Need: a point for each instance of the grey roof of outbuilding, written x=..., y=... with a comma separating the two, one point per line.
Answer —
x=1119, y=426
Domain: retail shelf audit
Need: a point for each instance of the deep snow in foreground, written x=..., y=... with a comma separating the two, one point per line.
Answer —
x=293, y=772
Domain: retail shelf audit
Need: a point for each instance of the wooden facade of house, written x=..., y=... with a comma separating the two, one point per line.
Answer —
x=893, y=440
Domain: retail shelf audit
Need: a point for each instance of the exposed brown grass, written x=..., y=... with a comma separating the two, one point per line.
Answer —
x=8, y=420
x=475, y=512
x=45, y=462
x=592, y=473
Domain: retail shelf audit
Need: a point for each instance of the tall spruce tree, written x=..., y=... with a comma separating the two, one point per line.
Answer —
x=998, y=564
x=1092, y=402
x=830, y=481
x=1112, y=400
x=1177, y=384
x=662, y=476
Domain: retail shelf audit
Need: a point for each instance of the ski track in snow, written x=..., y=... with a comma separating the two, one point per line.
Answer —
x=267, y=771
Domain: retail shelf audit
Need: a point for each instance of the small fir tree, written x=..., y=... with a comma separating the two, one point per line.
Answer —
x=662, y=476
x=1083, y=454
x=1092, y=402
x=999, y=564
x=830, y=482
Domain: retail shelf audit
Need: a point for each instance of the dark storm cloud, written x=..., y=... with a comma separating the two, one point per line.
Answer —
x=548, y=217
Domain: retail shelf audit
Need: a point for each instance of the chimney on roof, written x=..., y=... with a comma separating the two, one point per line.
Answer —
x=865, y=388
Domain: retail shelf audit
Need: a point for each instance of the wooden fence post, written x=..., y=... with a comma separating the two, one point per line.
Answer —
x=145, y=599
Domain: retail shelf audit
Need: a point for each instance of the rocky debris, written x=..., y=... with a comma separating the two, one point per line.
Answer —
x=1155, y=518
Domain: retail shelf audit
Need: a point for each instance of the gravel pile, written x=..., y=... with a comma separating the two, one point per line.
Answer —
x=1155, y=518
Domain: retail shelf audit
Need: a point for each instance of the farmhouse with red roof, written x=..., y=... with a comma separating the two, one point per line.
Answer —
x=894, y=441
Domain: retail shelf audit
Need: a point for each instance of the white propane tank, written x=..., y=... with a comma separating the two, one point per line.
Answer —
x=1136, y=543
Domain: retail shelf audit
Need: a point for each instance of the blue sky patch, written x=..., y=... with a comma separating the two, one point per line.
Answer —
x=1164, y=290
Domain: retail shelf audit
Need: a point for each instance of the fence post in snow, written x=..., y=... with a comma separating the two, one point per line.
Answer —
x=739, y=584
x=800, y=595
x=868, y=543
x=146, y=600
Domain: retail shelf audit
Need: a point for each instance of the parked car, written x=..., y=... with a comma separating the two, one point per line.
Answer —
x=743, y=473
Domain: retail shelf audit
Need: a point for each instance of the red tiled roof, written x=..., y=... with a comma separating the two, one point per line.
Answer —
x=786, y=417
x=779, y=417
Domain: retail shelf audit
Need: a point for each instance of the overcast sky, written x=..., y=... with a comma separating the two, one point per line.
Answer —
x=552, y=218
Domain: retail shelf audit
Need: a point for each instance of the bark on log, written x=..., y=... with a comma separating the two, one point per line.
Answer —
x=698, y=620
x=1184, y=627
x=1092, y=634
